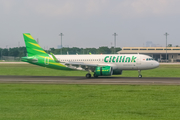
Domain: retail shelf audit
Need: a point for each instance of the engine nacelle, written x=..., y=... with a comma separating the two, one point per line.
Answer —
x=104, y=71
x=117, y=72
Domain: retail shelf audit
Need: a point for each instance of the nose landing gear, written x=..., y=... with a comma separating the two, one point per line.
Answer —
x=88, y=75
x=95, y=76
x=140, y=76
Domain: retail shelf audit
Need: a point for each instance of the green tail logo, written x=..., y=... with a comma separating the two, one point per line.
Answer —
x=36, y=55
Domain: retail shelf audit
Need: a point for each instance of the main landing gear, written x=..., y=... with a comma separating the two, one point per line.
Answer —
x=95, y=76
x=88, y=75
x=140, y=76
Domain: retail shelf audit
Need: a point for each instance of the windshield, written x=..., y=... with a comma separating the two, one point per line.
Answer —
x=148, y=59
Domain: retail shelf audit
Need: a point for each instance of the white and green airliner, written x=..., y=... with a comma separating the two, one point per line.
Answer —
x=99, y=64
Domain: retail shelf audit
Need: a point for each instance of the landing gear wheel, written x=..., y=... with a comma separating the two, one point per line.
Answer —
x=95, y=76
x=140, y=76
x=88, y=75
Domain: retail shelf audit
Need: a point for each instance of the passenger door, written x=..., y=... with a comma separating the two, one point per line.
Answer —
x=138, y=61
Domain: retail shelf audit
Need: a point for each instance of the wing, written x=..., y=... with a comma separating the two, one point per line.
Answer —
x=81, y=66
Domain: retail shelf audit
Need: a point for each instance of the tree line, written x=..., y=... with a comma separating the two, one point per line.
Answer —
x=21, y=51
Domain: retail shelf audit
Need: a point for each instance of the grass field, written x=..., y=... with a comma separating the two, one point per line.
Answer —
x=89, y=102
x=32, y=70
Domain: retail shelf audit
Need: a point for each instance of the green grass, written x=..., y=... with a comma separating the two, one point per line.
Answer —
x=89, y=102
x=32, y=70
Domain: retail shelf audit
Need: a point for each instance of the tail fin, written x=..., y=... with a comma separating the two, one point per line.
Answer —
x=32, y=46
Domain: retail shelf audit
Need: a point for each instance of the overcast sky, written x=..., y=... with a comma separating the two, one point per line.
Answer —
x=89, y=23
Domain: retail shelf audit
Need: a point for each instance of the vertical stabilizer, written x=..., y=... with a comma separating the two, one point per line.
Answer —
x=32, y=46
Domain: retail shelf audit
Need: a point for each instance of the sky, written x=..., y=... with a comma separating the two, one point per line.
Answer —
x=90, y=23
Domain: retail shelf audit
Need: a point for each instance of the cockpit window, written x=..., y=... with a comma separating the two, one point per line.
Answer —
x=148, y=59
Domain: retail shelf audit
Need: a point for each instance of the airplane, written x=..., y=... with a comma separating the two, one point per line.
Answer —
x=99, y=64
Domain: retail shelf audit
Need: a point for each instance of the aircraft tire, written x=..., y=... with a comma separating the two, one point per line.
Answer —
x=95, y=76
x=140, y=76
x=88, y=75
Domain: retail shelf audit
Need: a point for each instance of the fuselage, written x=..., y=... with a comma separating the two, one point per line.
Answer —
x=117, y=61
x=100, y=65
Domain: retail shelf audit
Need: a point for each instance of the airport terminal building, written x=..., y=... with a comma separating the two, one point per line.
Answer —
x=158, y=53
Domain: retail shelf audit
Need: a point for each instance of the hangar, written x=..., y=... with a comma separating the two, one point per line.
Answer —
x=158, y=53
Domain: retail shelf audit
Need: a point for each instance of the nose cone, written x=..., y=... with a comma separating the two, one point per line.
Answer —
x=156, y=64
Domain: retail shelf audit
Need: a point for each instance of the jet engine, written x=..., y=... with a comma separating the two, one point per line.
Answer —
x=103, y=71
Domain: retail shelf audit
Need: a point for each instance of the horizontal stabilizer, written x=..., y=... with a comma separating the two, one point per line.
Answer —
x=55, y=59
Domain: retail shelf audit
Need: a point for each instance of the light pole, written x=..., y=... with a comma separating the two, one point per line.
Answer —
x=37, y=41
x=166, y=34
x=61, y=34
x=114, y=42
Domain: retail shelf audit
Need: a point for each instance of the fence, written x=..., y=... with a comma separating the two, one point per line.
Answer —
x=10, y=58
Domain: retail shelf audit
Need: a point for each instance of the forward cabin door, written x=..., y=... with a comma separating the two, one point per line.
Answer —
x=100, y=60
x=138, y=61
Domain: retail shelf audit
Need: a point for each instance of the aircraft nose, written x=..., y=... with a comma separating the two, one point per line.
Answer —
x=156, y=64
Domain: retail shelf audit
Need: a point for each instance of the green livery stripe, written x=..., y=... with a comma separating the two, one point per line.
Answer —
x=46, y=57
x=40, y=51
x=57, y=64
x=29, y=36
x=35, y=44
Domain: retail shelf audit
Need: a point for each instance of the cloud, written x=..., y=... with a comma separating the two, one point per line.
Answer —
x=7, y=5
x=139, y=8
x=70, y=7
x=85, y=8
x=53, y=8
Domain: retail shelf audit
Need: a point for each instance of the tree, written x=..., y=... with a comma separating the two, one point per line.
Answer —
x=104, y=50
x=169, y=45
